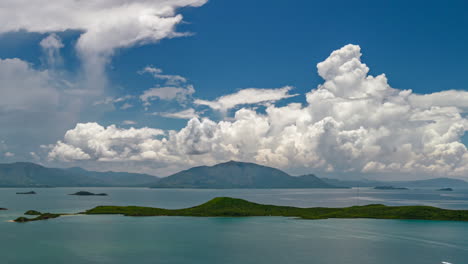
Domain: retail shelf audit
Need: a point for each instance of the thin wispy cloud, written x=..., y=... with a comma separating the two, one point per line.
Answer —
x=158, y=74
x=184, y=114
x=246, y=97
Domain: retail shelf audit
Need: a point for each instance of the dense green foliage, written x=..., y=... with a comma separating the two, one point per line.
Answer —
x=234, y=174
x=44, y=216
x=33, y=212
x=85, y=193
x=232, y=207
x=31, y=192
x=224, y=206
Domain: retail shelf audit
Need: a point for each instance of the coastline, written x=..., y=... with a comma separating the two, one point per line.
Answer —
x=233, y=207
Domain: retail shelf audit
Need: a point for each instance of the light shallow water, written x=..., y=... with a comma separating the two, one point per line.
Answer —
x=119, y=239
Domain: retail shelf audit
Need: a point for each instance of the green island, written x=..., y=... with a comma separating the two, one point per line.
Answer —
x=43, y=216
x=232, y=207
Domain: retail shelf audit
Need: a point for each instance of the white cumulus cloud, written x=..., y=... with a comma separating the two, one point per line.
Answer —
x=445, y=99
x=93, y=141
x=353, y=122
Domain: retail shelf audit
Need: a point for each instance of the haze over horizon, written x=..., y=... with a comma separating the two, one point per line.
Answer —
x=158, y=86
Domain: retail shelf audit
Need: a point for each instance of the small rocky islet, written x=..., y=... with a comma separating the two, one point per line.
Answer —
x=41, y=216
x=85, y=193
x=33, y=212
x=31, y=192
x=446, y=190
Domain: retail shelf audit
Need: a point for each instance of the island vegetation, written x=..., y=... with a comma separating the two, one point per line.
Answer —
x=446, y=189
x=33, y=212
x=31, y=192
x=39, y=216
x=44, y=216
x=388, y=187
x=232, y=207
x=84, y=193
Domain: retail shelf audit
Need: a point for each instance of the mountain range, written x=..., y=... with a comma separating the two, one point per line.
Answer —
x=25, y=174
x=226, y=175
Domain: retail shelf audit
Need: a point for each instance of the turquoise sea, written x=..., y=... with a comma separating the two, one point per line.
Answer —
x=119, y=239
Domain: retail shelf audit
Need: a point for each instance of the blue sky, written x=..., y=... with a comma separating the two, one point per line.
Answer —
x=236, y=45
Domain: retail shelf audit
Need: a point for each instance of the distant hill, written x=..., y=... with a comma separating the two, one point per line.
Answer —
x=25, y=174
x=127, y=179
x=430, y=183
x=234, y=174
x=224, y=175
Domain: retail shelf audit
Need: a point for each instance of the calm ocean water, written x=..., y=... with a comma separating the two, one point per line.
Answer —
x=118, y=239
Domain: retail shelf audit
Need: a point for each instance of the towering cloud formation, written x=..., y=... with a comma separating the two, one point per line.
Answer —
x=48, y=101
x=352, y=122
